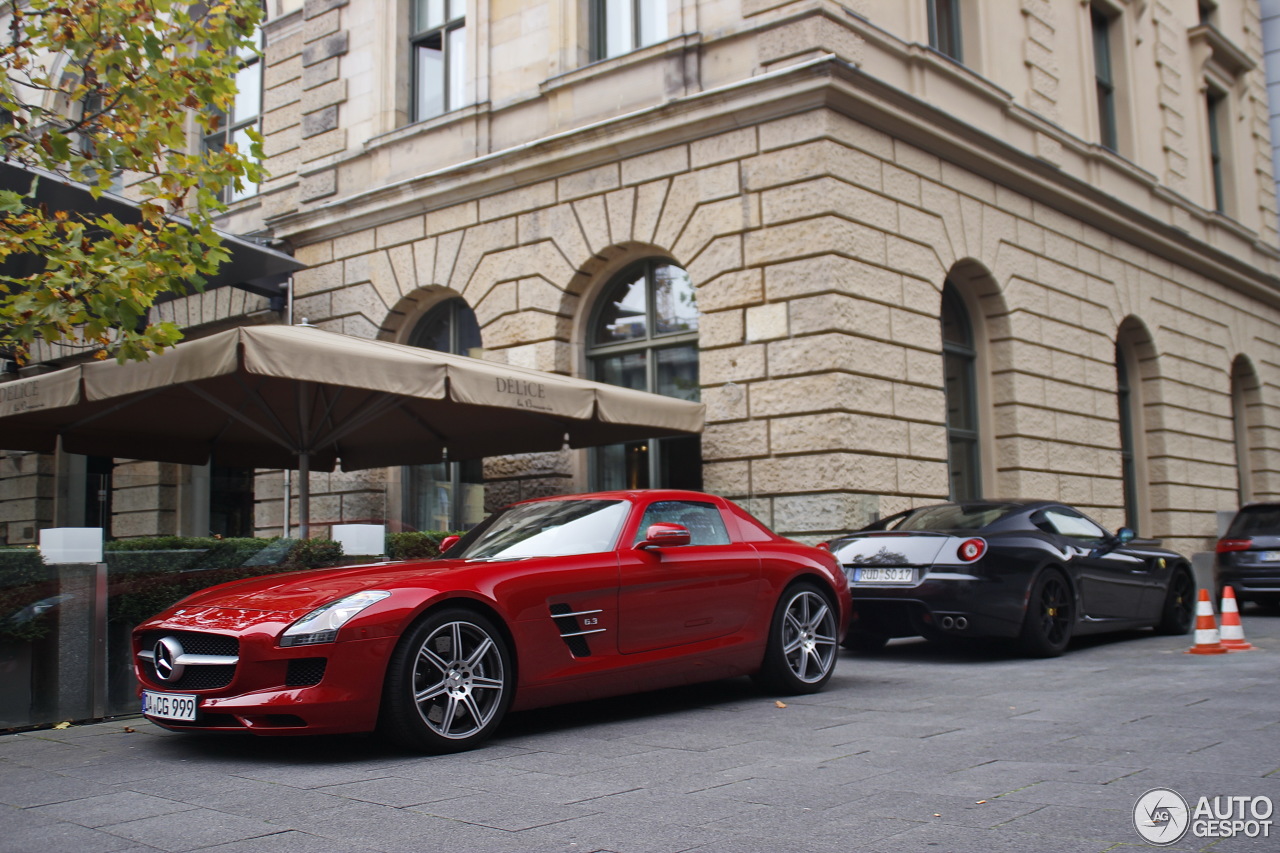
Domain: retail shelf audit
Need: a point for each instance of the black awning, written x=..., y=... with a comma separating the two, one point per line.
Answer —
x=252, y=267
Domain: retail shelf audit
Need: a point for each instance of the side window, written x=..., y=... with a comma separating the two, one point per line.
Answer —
x=1073, y=526
x=704, y=522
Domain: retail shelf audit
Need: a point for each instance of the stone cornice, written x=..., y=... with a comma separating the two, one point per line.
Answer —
x=831, y=83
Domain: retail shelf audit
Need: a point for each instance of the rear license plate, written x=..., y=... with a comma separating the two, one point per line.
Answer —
x=169, y=706
x=879, y=575
x=1269, y=556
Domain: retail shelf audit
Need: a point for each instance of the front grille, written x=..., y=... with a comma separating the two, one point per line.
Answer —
x=195, y=643
x=194, y=677
x=303, y=672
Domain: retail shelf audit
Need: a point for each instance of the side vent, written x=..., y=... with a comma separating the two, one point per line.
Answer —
x=573, y=634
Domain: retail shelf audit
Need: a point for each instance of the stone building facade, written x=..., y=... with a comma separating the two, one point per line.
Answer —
x=1007, y=247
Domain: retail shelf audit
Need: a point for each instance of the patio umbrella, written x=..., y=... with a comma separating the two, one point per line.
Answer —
x=305, y=398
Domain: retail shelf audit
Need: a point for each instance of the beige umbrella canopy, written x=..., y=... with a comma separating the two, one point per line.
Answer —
x=304, y=398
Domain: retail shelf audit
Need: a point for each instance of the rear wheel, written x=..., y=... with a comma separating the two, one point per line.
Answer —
x=449, y=683
x=1050, y=617
x=1179, y=605
x=801, y=654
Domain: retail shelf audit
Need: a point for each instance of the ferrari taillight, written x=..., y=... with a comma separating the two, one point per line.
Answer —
x=1225, y=545
x=971, y=549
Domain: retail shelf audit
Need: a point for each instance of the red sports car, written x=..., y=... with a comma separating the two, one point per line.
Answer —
x=547, y=601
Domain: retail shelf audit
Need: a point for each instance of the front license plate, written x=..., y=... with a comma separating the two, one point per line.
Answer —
x=878, y=575
x=169, y=706
x=1269, y=556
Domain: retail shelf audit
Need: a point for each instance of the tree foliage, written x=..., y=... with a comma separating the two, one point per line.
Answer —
x=107, y=91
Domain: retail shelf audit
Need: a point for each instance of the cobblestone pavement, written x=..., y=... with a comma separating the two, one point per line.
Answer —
x=913, y=749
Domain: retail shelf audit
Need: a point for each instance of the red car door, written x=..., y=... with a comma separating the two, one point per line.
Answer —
x=674, y=596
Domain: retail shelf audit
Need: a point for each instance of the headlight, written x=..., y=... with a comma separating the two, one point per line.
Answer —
x=321, y=625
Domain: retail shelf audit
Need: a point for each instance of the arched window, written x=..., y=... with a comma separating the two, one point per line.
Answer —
x=644, y=335
x=1244, y=397
x=960, y=360
x=445, y=495
x=1125, y=401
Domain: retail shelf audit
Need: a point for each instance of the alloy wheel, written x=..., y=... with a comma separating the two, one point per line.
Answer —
x=458, y=680
x=809, y=636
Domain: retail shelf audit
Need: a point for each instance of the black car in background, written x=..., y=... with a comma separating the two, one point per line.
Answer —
x=1038, y=572
x=1248, y=555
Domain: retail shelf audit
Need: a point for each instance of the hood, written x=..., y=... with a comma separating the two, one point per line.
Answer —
x=306, y=590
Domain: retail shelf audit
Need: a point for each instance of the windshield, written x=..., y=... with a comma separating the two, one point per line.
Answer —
x=1260, y=520
x=547, y=529
x=952, y=517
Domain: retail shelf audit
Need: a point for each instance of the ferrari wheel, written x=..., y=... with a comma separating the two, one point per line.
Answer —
x=449, y=683
x=1046, y=628
x=802, y=649
x=1179, y=605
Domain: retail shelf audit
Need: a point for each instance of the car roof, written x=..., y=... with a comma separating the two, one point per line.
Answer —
x=634, y=495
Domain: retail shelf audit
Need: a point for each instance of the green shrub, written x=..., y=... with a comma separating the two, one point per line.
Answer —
x=415, y=545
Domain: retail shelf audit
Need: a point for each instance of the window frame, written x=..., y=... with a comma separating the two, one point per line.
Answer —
x=657, y=451
x=232, y=124
x=453, y=21
x=946, y=33
x=454, y=310
x=598, y=29
x=965, y=355
x=1102, y=31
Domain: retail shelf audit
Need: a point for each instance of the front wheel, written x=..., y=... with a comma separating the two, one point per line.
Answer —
x=1178, y=611
x=449, y=683
x=803, y=645
x=1050, y=617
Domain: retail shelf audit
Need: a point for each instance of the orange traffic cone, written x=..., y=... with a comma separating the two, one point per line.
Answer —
x=1207, y=641
x=1232, y=631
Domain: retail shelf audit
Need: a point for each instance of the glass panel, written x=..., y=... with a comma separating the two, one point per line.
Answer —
x=960, y=392
x=680, y=462
x=430, y=59
x=248, y=101
x=248, y=53
x=955, y=319
x=430, y=497
x=459, y=82
x=962, y=454
x=457, y=9
x=627, y=370
x=619, y=27
x=678, y=372
x=675, y=302
x=428, y=14
x=244, y=144
x=653, y=21
x=625, y=316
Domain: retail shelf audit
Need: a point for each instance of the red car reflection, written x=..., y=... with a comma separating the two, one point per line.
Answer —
x=547, y=601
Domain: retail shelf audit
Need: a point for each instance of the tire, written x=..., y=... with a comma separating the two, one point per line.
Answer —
x=449, y=683
x=802, y=649
x=863, y=642
x=1178, y=613
x=1050, y=616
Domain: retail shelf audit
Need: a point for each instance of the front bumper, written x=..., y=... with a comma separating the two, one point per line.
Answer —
x=942, y=603
x=341, y=691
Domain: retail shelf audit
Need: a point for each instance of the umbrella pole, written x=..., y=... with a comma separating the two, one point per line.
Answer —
x=304, y=495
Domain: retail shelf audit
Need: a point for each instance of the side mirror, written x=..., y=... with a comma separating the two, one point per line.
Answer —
x=664, y=534
x=1125, y=535
x=448, y=542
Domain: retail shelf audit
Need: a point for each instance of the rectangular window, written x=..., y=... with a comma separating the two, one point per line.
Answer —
x=1105, y=80
x=439, y=48
x=944, y=28
x=1216, y=109
x=621, y=26
x=246, y=113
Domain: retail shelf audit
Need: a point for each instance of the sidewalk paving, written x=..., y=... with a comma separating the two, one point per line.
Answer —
x=913, y=749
